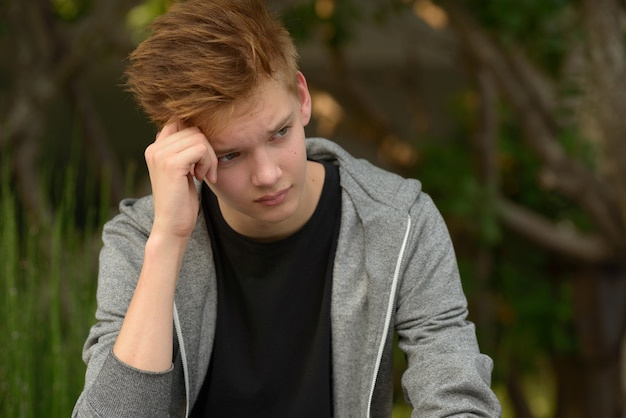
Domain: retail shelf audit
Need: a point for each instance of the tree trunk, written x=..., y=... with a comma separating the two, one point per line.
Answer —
x=599, y=294
x=569, y=390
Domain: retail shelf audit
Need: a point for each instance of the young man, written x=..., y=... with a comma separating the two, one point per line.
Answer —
x=266, y=274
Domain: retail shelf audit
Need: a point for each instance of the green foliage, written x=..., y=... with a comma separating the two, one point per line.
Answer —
x=536, y=311
x=520, y=172
x=139, y=18
x=543, y=28
x=70, y=10
x=301, y=21
x=304, y=21
x=533, y=309
x=48, y=287
x=448, y=175
x=518, y=19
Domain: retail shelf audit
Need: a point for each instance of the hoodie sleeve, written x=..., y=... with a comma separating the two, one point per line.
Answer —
x=113, y=388
x=446, y=373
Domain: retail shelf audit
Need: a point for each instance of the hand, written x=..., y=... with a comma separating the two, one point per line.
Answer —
x=178, y=154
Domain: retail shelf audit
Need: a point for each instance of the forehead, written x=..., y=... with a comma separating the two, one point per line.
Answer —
x=259, y=115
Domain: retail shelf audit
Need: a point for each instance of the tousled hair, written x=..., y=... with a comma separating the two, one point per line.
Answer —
x=204, y=56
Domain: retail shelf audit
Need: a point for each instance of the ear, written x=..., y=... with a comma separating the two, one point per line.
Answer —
x=305, y=98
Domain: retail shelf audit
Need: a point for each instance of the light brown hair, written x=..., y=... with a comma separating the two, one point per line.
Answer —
x=204, y=56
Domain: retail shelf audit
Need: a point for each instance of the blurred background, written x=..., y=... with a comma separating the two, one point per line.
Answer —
x=511, y=113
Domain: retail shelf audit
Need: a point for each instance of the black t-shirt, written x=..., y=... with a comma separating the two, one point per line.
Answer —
x=272, y=351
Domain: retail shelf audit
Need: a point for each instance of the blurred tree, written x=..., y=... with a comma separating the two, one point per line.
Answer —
x=49, y=48
x=559, y=68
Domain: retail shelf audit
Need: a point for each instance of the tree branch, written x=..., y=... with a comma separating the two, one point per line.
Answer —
x=541, y=92
x=485, y=138
x=543, y=231
x=569, y=177
x=564, y=240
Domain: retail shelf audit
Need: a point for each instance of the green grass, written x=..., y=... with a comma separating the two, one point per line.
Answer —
x=48, y=289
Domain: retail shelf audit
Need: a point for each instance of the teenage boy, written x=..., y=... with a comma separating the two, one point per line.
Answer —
x=266, y=274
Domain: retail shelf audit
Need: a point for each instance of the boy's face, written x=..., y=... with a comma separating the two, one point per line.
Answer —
x=263, y=178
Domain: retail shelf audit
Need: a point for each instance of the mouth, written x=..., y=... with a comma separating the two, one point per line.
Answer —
x=274, y=198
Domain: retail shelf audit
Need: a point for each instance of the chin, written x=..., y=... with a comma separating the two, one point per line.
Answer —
x=278, y=215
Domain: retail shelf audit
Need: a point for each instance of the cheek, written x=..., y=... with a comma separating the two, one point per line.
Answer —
x=294, y=161
x=227, y=185
x=297, y=156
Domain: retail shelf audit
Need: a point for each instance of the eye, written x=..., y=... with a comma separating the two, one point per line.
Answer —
x=228, y=157
x=281, y=133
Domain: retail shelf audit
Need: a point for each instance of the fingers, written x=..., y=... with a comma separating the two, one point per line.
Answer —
x=170, y=128
x=207, y=166
x=188, y=145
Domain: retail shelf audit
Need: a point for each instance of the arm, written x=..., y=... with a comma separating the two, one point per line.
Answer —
x=129, y=351
x=446, y=373
x=172, y=160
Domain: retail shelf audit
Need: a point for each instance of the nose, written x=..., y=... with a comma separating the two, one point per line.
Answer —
x=266, y=170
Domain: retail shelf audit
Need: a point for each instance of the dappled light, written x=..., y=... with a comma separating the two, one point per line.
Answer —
x=429, y=12
x=398, y=152
x=327, y=113
x=324, y=8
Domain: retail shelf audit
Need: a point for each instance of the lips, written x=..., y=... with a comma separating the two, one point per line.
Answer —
x=273, y=199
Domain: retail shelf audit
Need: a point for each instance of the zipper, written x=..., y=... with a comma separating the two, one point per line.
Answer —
x=183, y=357
x=390, y=306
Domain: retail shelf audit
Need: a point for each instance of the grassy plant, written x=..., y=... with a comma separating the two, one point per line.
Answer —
x=48, y=291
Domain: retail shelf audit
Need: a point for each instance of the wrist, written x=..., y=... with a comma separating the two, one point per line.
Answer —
x=165, y=246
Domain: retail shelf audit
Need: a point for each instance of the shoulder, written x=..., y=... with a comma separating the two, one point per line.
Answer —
x=135, y=213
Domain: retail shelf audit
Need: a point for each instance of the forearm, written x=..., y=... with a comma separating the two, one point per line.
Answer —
x=145, y=338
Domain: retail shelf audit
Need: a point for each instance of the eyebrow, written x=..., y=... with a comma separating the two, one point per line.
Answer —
x=277, y=127
x=281, y=124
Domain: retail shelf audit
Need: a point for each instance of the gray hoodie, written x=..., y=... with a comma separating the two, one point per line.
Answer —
x=395, y=269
